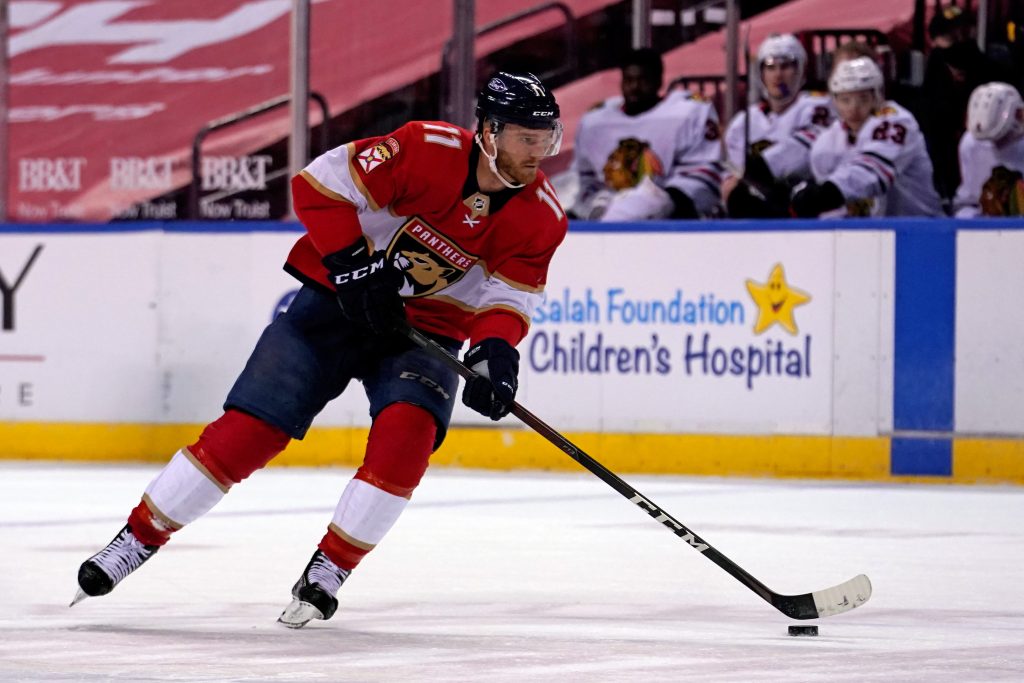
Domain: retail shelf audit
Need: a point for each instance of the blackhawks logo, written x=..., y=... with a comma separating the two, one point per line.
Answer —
x=629, y=163
x=1003, y=193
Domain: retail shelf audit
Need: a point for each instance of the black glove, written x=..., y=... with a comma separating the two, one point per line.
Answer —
x=682, y=205
x=757, y=171
x=810, y=200
x=493, y=389
x=367, y=286
x=758, y=194
x=746, y=201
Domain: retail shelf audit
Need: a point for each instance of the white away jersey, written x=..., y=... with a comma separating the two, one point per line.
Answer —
x=882, y=171
x=783, y=139
x=978, y=158
x=676, y=143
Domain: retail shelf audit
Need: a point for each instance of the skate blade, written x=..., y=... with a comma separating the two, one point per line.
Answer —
x=79, y=596
x=298, y=614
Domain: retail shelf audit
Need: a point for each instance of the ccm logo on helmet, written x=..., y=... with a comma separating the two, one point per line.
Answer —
x=543, y=113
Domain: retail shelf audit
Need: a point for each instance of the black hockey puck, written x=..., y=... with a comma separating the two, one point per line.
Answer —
x=803, y=630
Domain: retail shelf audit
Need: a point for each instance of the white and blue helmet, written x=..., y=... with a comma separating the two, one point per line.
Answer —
x=782, y=48
x=995, y=111
x=857, y=74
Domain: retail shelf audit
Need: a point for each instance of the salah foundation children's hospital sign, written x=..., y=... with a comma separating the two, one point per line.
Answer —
x=865, y=349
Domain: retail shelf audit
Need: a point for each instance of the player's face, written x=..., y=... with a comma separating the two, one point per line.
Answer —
x=854, y=108
x=639, y=87
x=779, y=78
x=520, y=151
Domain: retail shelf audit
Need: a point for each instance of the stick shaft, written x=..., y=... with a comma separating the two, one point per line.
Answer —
x=746, y=98
x=607, y=476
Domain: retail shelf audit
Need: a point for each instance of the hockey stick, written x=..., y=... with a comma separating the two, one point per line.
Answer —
x=823, y=603
x=746, y=98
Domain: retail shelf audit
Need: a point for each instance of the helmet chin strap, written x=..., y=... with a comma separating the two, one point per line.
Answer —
x=491, y=161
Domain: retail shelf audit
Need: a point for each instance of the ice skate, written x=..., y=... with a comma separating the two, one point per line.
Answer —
x=313, y=594
x=100, y=573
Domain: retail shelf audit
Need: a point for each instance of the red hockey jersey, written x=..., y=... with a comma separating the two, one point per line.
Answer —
x=475, y=264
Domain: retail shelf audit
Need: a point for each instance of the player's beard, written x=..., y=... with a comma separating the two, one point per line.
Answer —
x=517, y=173
x=640, y=103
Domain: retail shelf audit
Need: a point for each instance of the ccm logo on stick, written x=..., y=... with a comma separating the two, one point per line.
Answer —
x=659, y=516
x=425, y=381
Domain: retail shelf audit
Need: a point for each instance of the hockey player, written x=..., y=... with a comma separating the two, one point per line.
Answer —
x=992, y=154
x=429, y=226
x=779, y=130
x=642, y=156
x=872, y=161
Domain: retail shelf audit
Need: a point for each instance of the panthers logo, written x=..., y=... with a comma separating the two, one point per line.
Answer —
x=424, y=272
x=428, y=260
x=631, y=161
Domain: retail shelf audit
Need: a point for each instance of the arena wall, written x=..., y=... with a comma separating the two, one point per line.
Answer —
x=875, y=349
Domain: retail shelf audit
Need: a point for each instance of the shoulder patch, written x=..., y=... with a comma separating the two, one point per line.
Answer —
x=887, y=111
x=375, y=155
x=596, y=105
x=817, y=93
x=697, y=97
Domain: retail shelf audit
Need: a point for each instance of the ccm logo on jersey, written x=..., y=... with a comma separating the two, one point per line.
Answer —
x=372, y=157
x=360, y=273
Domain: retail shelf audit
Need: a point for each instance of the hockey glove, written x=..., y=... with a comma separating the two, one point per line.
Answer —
x=810, y=200
x=759, y=194
x=746, y=201
x=492, y=390
x=367, y=286
x=682, y=206
x=757, y=171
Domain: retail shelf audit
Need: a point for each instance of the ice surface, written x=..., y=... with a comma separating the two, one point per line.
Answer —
x=518, y=577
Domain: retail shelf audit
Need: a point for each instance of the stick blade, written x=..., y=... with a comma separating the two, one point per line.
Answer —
x=825, y=603
x=844, y=597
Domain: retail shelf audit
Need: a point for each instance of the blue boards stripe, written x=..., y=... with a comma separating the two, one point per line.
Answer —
x=909, y=456
x=923, y=379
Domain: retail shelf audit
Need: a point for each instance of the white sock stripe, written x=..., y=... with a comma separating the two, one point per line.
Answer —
x=366, y=512
x=182, y=492
x=202, y=468
x=159, y=518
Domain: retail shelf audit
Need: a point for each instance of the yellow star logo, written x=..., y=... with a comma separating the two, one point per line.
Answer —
x=775, y=301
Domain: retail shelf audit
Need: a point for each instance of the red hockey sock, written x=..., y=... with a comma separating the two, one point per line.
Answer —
x=237, y=444
x=229, y=449
x=398, y=449
x=148, y=527
x=342, y=552
x=397, y=453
